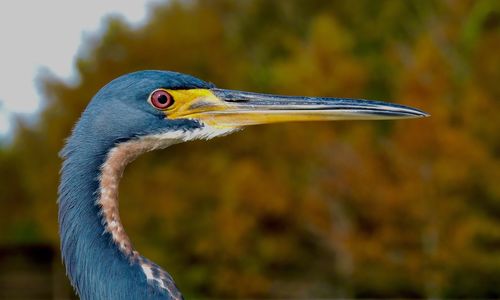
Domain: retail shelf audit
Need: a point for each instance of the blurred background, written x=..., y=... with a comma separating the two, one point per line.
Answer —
x=406, y=209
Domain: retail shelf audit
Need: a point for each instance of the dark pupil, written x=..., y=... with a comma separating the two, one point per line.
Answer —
x=162, y=99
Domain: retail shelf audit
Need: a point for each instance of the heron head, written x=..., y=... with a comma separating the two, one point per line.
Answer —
x=157, y=103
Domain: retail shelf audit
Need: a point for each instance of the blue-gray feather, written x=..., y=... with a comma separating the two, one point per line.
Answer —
x=117, y=113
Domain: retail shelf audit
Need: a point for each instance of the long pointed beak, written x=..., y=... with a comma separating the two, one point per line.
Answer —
x=229, y=108
x=245, y=108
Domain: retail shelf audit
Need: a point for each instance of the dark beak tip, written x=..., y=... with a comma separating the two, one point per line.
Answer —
x=416, y=113
x=422, y=114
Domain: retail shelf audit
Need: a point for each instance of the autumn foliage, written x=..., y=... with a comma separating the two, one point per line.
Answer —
x=344, y=209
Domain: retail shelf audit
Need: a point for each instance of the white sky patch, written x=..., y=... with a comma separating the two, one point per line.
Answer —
x=47, y=34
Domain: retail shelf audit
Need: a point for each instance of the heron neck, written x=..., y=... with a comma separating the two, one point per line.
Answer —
x=98, y=255
x=111, y=173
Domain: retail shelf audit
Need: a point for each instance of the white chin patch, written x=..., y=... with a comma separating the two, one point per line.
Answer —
x=166, y=139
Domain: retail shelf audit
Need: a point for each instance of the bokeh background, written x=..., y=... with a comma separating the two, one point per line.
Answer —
x=344, y=209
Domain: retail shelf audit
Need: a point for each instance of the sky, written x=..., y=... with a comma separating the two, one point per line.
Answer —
x=46, y=35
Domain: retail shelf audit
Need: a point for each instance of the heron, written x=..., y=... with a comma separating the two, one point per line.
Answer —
x=149, y=110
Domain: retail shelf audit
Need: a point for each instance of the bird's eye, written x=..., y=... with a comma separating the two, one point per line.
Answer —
x=161, y=99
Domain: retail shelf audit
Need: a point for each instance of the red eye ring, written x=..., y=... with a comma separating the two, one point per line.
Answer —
x=161, y=99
